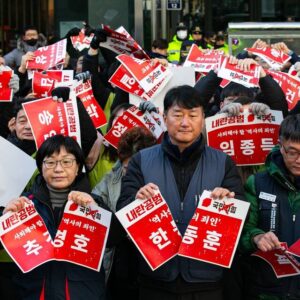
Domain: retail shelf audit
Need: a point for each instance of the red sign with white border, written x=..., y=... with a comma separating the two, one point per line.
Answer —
x=247, y=138
x=214, y=231
x=48, y=117
x=150, y=225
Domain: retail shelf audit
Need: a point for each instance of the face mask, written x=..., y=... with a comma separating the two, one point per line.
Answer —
x=182, y=34
x=31, y=42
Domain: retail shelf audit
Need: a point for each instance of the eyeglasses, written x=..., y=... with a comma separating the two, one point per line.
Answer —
x=291, y=154
x=65, y=163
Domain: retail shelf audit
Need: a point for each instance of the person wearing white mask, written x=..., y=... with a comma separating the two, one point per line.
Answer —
x=174, y=46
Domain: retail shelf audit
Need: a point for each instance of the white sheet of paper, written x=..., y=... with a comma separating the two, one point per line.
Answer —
x=181, y=76
x=16, y=168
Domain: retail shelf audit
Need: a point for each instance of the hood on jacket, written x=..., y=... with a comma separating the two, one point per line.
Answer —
x=21, y=45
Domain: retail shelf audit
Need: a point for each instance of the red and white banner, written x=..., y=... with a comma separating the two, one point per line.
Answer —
x=81, y=41
x=202, y=61
x=82, y=235
x=6, y=93
x=123, y=79
x=48, y=57
x=24, y=237
x=48, y=117
x=150, y=225
x=132, y=117
x=85, y=93
x=121, y=42
x=231, y=72
x=281, y=261
x=214, y=231
x=247, y=138
x=275, y=58
x=147, y=73
x=290, y=86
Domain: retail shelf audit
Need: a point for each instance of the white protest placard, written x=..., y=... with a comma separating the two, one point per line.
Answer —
x=151, y=227
x=214, y=231
x=16, y=168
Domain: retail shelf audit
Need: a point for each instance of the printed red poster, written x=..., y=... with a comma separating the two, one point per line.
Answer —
x=24, y=237
x=123, y=79
x=282, y=263
x=232, y=73
x=132, y=117
x=85, y=93
x=147, y=73
x=151, y=227
x=202, y=61
x=48, y=117
x=82, y=235
x=290, y=86
x=120, y=42
x=275, y=58
x=48, y=57
x=214, y=231
x=247, y=138
x=42, y=85
x=81, y=41
x=6, y=93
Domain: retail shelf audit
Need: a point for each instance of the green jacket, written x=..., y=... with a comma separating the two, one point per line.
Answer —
x=174, y=49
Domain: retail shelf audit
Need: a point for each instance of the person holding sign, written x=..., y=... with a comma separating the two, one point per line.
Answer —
x=182, y=166
x=274, y=215
x=60, y=161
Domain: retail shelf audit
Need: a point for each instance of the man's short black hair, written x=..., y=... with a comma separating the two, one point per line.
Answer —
x=290, y=128
x=184, y=96
x=54, y=145
x=234, y=89
x=160, y=44
x=30, y=27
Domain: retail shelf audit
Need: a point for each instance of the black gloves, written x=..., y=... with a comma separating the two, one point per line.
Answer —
x=99, y=37
x=73, y=32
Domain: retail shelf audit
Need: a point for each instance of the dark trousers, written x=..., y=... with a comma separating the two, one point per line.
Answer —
x=7, y=287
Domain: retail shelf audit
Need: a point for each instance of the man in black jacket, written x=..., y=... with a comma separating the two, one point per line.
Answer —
x=181, y=167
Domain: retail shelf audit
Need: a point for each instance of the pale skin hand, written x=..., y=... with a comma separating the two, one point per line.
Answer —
x=147, y=191
x=26, y=57
x=81, y=198
x=16, y=205
x=245, y=64
x=267, y=241
x=281, y=47
x=221, y=193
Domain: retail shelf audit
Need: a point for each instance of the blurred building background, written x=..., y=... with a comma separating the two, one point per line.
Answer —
x=144, y=19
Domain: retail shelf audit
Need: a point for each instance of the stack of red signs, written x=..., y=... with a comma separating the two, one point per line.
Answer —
x=247, y=138
x=48, y=118
x=85, y=93
x=201, y=61
x=290, y=86
x=282, y=260
x=133, y=117
x=6, y=93
x=231, y=72
x=213, y=233
x=151, y=226
x=121, y=42
x=81, y=41
x=275, y=58
x=28, y=242
x=49, y=57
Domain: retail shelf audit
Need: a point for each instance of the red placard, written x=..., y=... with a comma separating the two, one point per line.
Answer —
x=42, y=85
x=147, y=73
x=48, y=117
x=49, y=56
x=81, y=41
x=231, y=72
x=150, y=225
x=24, y=237
x=202, y=61
x=75, y=240
x=85, y=93
x=247, y=138
x=6, y=93
x=213, y=233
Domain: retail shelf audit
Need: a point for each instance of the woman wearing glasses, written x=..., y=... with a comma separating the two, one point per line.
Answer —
x=60, y=161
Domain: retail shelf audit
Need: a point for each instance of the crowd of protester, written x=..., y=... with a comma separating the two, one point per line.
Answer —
x=180, y=165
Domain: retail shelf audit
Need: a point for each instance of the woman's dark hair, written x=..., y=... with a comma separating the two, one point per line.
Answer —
x=54, y=145
x=234, y=89
x=111, y=151
x=133, y=140
x=184, y=96
x=290, y=128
